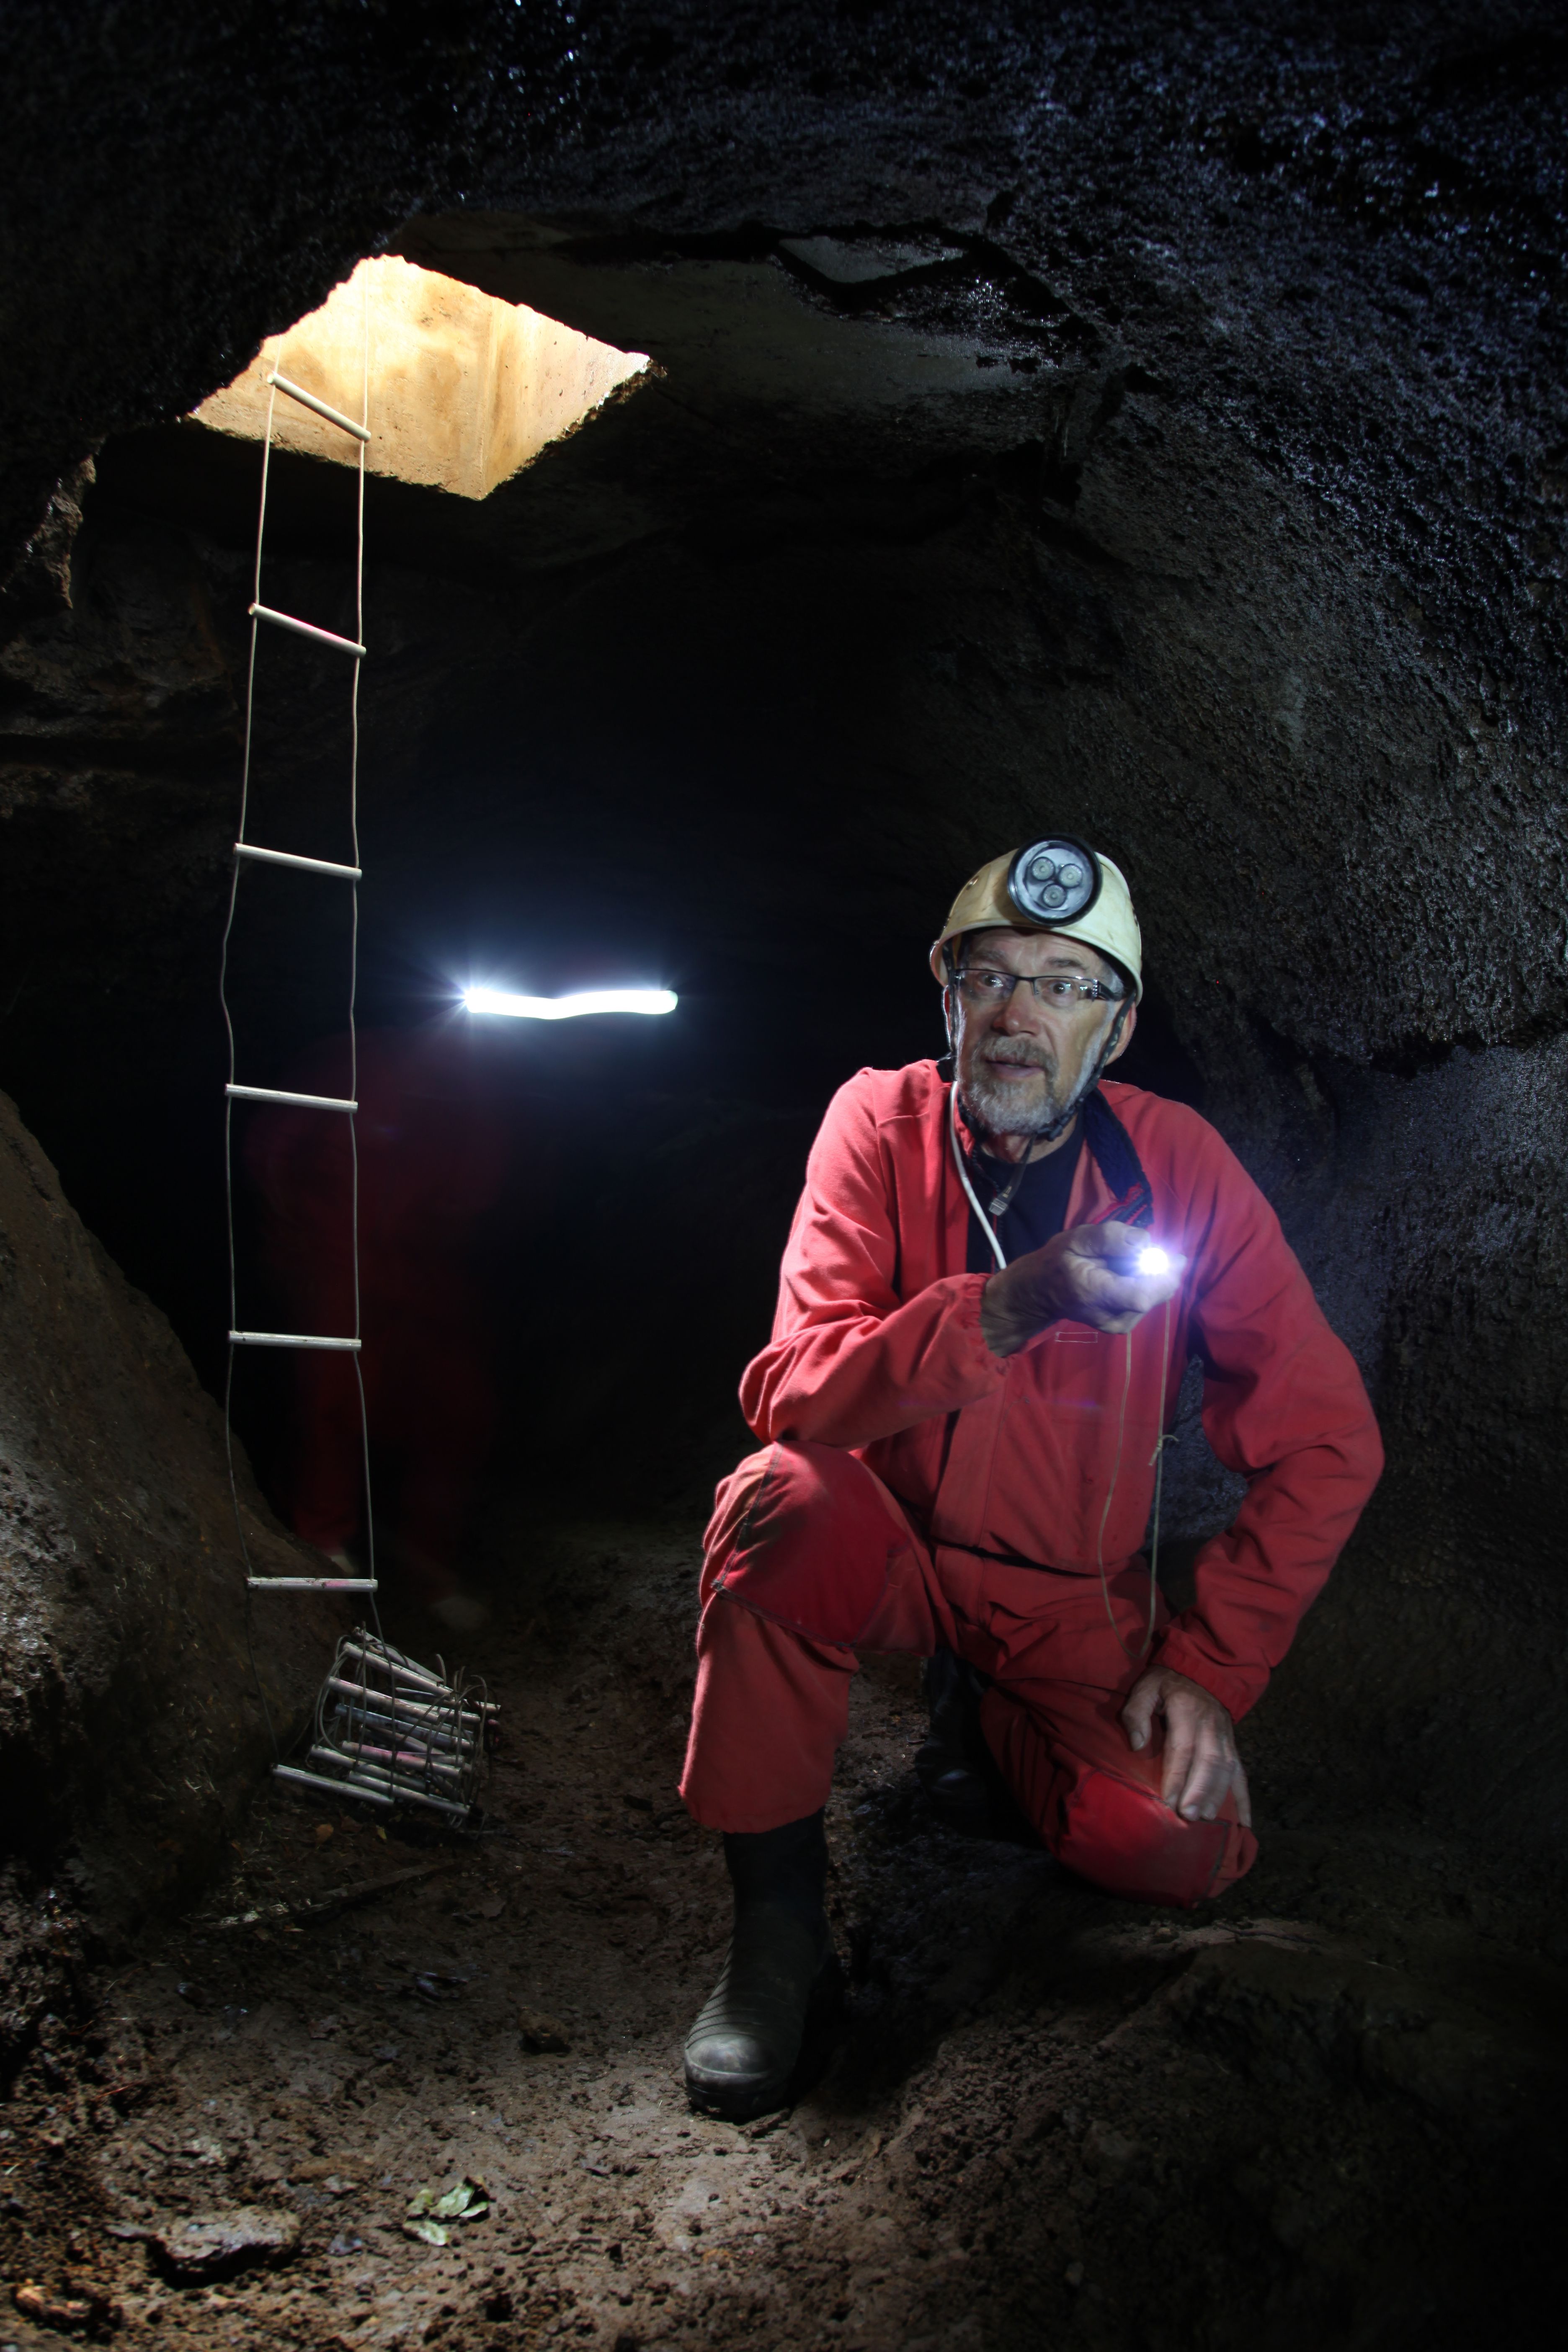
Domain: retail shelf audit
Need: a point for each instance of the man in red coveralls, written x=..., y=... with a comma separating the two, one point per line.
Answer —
x=989, y=1294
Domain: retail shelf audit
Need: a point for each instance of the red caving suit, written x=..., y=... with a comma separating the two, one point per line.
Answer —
x=914, y=1490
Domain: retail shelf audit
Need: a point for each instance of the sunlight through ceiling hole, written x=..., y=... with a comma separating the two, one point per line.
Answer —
x=465, y=390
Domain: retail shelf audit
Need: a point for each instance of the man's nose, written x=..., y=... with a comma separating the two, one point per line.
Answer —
x=1020, y=1011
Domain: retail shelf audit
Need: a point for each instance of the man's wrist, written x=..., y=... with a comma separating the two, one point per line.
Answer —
x=1008, y=1321
x=997, y=1328
x=1236, y=1689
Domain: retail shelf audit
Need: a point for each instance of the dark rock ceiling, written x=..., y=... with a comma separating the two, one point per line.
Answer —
x=1310, y=270
x=1342, y=234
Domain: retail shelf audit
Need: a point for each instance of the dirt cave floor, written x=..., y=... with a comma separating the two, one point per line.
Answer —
x=1317, y=2114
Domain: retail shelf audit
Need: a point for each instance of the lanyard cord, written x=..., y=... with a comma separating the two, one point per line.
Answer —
x=986, y=1227
x=1157, y=1462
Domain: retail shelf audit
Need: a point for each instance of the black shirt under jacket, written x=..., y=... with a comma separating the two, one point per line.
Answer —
x=1037, y=1211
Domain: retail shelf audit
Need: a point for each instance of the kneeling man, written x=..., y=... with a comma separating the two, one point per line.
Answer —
x=993, y=1285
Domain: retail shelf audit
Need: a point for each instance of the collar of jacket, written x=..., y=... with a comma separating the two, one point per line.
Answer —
x=1117, y=1159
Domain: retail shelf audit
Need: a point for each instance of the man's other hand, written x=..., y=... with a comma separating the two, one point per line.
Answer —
x=1088, y=1275
x=1202, y=1767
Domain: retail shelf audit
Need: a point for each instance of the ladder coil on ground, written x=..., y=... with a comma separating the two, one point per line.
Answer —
x=390, y=1730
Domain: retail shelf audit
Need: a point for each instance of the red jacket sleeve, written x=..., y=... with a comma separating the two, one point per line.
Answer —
x=1284, y=1405
x=849, y=1362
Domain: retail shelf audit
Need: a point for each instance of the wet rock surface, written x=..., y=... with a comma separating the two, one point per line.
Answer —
x=1318, y=2113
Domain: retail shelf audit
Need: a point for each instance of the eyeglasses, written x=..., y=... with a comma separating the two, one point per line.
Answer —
x=1061, y=990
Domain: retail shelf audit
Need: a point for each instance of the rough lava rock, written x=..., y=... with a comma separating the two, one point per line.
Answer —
x=215, y=2245
x=130, y=1728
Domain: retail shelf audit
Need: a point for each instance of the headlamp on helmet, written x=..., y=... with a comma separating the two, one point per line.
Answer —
x=1057, y=885
x=1054, y=881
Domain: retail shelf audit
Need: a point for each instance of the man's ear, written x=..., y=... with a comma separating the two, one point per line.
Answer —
x=947, y=1017
x=1128, y=1026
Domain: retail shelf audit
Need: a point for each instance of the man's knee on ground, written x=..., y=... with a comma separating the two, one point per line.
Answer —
x=1120, y=1838
x=810, y=1542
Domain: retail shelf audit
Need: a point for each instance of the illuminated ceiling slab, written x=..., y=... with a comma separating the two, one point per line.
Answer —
x=465, y=390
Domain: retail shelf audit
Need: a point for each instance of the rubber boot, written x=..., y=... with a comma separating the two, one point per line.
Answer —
x=953, y=1764
x=744, y=2048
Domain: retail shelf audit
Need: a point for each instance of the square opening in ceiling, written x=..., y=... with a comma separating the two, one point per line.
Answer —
x=464, y=389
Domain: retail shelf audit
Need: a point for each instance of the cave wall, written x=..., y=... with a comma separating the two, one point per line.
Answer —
x=132, y=1722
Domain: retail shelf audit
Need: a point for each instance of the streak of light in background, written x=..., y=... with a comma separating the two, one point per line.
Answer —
x=567, y=1008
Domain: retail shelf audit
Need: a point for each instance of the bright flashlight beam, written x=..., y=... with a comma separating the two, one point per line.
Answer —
x=1153, y=1260
x=567, y=1008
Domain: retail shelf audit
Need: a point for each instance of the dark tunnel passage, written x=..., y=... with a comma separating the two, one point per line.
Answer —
x=1086, y=421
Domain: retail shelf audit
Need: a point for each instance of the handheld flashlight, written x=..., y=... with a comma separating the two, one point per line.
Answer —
x=1152, y=1260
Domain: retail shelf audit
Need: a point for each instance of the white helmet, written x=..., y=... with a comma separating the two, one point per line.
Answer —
x=1059, y=886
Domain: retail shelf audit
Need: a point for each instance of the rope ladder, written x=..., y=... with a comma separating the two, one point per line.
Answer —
x=387, y=1731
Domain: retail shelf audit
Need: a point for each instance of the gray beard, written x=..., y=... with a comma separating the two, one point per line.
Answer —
x=997, y=1109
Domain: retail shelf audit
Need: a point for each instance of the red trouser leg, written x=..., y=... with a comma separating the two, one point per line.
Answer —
x=809, y=1557
x=1053, y=1721
x=824, y=1557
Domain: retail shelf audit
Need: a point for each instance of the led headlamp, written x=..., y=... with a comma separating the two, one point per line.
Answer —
x=1054, y=881
x=1055, y=884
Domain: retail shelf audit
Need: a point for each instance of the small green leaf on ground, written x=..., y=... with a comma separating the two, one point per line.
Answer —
x=432, y=2233
x=467, y=2201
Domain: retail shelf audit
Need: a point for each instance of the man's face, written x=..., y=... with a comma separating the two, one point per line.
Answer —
x=1019, y=1063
